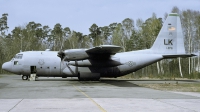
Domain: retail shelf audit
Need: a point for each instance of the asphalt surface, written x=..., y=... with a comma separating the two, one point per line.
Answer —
x=111, y=95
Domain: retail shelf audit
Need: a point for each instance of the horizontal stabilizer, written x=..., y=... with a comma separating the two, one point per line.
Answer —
x=178, y=55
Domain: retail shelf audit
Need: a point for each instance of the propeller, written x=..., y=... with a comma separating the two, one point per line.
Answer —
x=61, y=54
x=63, y=62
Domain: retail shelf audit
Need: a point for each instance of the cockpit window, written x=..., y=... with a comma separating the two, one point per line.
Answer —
x=18, y=56
x=15, y=62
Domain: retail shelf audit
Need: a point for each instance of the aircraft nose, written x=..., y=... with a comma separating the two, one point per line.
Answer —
x=6, y=66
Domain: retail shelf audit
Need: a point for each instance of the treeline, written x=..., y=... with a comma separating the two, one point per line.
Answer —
x=129, y=34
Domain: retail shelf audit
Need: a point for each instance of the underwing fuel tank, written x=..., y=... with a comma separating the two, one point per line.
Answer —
x=100, y=63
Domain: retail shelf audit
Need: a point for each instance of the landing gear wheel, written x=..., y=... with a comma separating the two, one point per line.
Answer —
x=24, y=77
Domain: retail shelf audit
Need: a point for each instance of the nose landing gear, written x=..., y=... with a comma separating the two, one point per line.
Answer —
x=25, y=77
x=32, y=76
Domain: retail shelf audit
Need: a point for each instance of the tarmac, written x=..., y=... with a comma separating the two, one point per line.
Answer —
x=111, y=95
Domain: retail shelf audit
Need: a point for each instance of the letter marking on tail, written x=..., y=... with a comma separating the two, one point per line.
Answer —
x=169, y=42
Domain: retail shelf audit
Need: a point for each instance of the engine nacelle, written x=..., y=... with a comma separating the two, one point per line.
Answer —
x=75, y=54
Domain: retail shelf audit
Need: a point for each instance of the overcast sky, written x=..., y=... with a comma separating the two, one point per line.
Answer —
x=79, y=15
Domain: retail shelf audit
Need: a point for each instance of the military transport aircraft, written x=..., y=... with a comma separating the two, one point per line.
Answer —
x=100, y=61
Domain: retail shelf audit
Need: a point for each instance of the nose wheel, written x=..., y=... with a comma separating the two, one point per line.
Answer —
x=25, y=77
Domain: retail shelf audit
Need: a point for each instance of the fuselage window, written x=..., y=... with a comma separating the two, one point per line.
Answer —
x=18, y=56
x=15, y=62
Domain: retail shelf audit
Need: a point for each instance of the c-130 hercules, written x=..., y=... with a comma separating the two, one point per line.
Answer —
x=101, y=61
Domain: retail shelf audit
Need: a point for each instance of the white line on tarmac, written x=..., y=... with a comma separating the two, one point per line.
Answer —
x=102, y=109
x=15, y=105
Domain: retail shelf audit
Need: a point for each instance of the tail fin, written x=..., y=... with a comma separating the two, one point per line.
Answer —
x=170, y=38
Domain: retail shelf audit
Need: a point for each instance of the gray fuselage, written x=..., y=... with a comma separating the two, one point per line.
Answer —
x=48, y=64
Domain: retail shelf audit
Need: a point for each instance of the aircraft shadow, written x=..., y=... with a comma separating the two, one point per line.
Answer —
x=113, y=82
x=54, y=80
x=156, y=80
x=119, y=83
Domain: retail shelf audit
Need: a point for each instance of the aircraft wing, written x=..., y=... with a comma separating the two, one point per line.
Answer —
x=104, y=49
x=102, y=52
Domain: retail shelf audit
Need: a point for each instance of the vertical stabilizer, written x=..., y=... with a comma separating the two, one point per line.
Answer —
x=170, y=38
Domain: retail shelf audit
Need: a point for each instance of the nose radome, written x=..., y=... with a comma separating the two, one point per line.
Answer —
x=6, y=66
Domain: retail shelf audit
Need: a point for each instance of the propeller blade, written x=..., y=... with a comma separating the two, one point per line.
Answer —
x=61, y=54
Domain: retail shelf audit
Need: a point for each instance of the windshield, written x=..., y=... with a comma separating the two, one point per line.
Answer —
x=18, y=56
